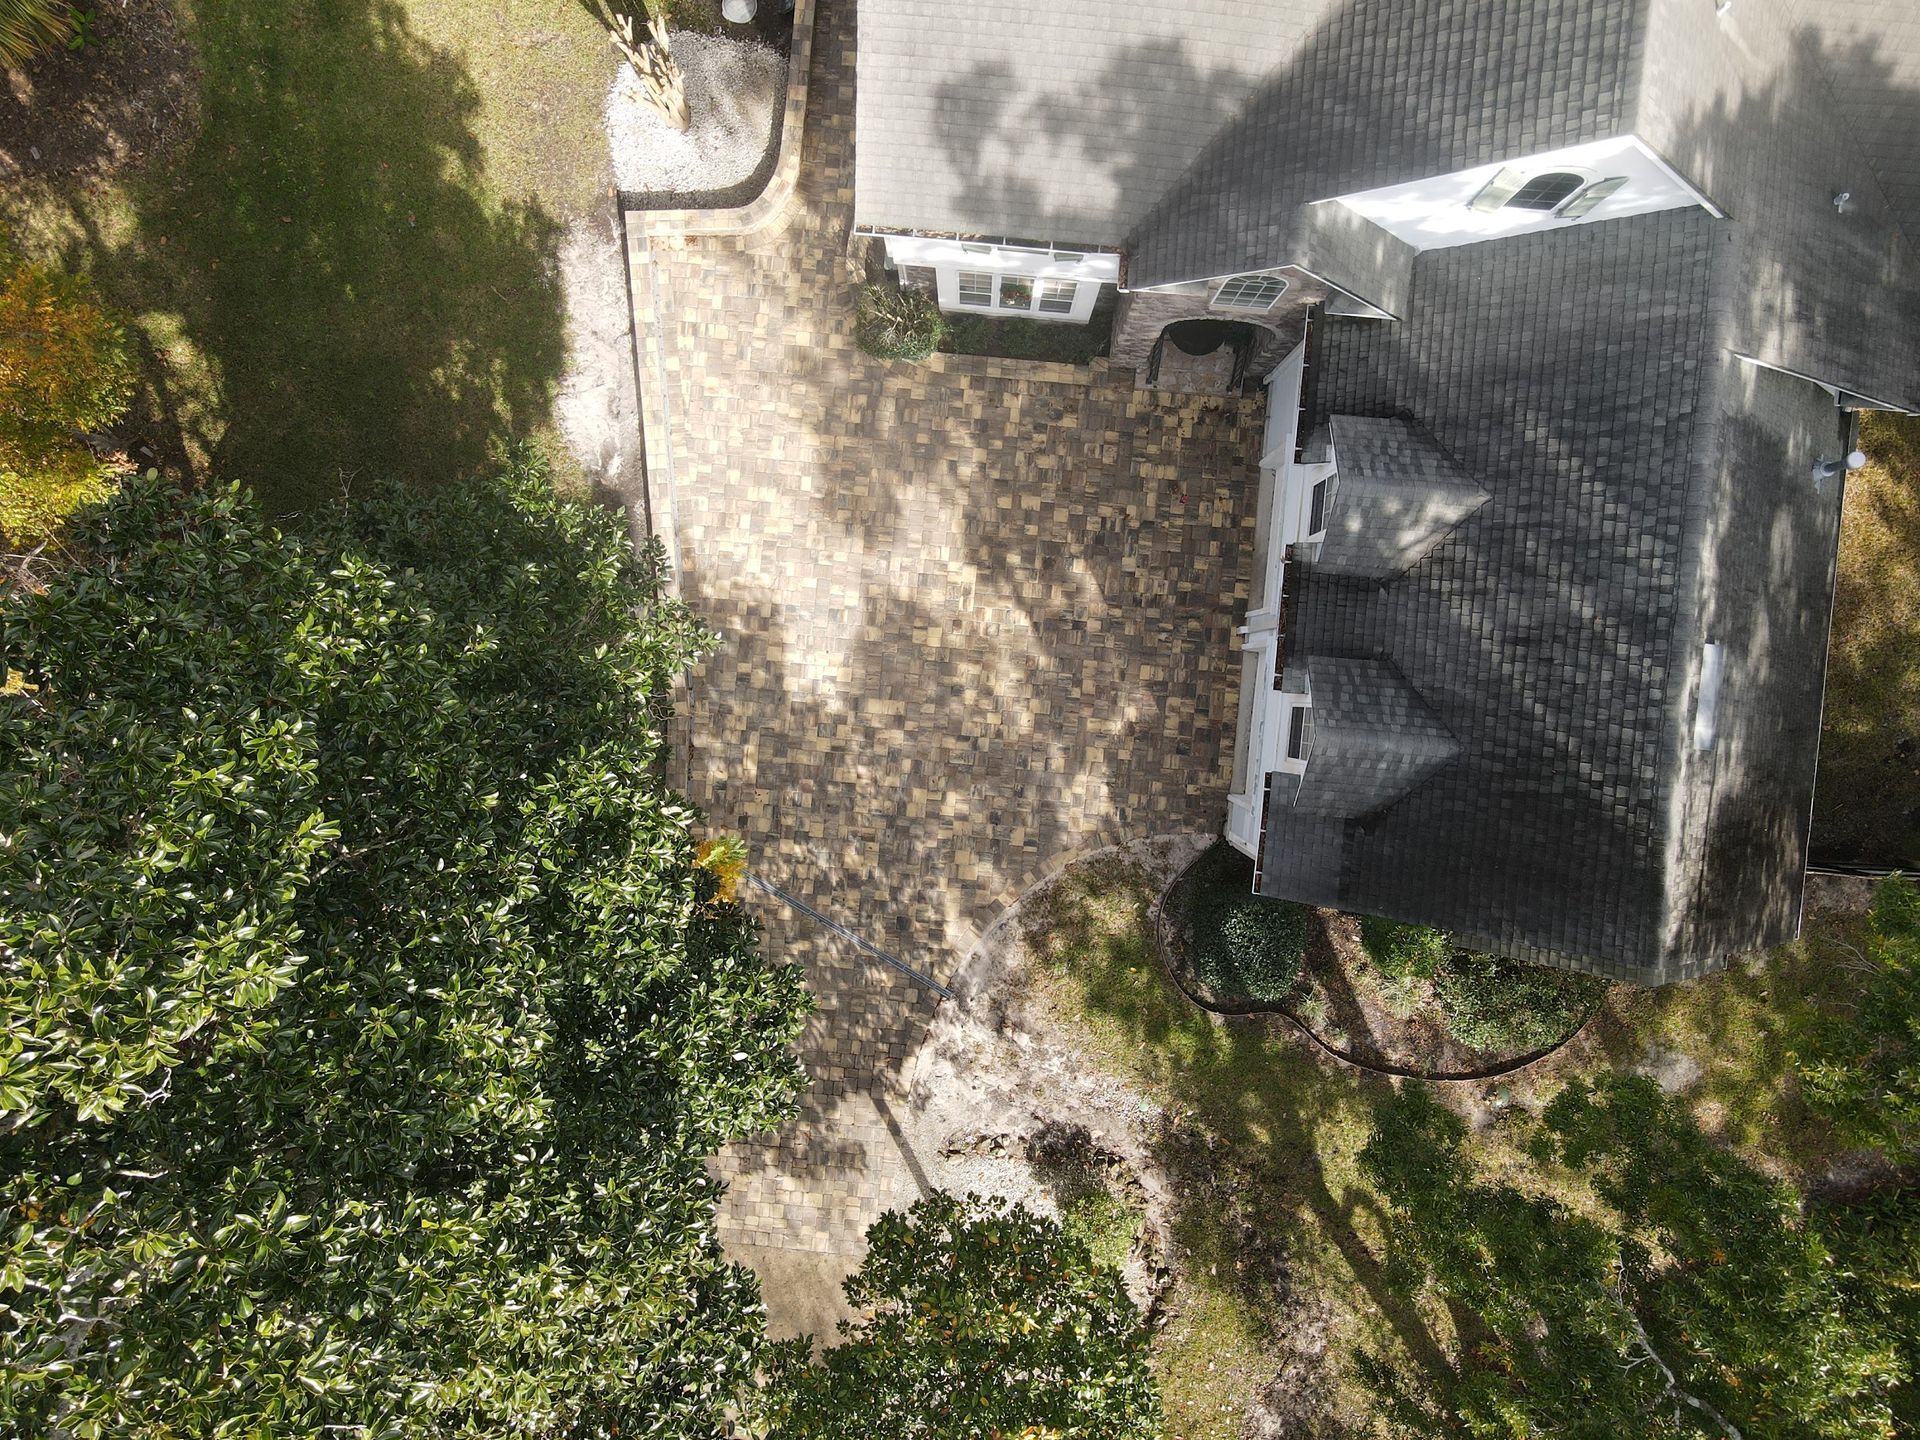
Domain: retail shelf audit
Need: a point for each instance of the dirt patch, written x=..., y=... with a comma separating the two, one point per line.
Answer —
x=596, y=408
x=127, y=96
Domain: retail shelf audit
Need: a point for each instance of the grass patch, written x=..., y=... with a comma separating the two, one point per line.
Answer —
x=1277, y=1237
x=350, y=268
x=1867, y=804
x=1019, y=339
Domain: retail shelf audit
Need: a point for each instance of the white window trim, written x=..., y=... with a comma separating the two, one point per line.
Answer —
x=1292, y=705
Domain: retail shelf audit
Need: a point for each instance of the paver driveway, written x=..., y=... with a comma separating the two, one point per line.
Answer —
x=977, y=615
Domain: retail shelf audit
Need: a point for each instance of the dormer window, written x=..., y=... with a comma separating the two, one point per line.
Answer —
x=1296, y=732
x=1254, y=294
x=1317, y=509
x=1546, y=192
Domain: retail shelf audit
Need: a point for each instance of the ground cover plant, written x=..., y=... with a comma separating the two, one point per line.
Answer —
x=66, y=370
x=369, y=1016
x=348, y=266
x=895, y=323
x=1017, y=338
x=1867, y=800
x=1286, y=1274
x=977, y=1319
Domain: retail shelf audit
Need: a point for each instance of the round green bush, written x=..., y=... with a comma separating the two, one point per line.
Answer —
x=1250, y=949
x=895, y=324
x=1495, y=1006
x=1402, y=951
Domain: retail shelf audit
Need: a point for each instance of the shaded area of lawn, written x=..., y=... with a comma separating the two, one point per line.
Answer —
x=1867, y=801
x=1282, y=1276
x=333, y=277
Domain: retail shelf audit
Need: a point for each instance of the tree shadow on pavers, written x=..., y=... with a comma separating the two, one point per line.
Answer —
x=328, y=285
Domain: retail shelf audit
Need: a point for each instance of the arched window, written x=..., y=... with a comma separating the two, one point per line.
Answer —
x=1546, y=192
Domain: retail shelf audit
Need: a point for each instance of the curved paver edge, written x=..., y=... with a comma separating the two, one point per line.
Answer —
x=770, y=203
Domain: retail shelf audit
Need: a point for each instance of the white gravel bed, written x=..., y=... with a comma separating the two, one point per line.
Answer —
x=734, y=90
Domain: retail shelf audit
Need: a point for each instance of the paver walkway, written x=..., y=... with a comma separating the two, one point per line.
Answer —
x=977, y=615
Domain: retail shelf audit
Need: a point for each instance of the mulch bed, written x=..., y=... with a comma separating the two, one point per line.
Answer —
x=1341, y=998
x=127, y=96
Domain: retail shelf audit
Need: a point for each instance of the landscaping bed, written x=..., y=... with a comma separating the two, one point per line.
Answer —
x=736, y=92
x=1019, y=339
x=1399, y=998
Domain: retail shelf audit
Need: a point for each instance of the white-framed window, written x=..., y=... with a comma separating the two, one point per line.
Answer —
x=1016, y=293
x=923, y=278
x=1296, y=733
x=1589, y=199
x=1249, y=292
x=1317, y=508
x=976, y=288
x=1548, y=191
x=1057, y=296
x=1542, y=192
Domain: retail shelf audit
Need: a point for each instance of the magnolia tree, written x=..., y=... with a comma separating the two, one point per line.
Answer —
x=982, y=1321
x=1690, y=1300
x=369, y=1020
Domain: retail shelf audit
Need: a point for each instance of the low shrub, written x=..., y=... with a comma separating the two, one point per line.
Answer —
x=1402, y=951
x=1250, y=949
x=1495, y=1006
x=895, y=324
x=1012, y=337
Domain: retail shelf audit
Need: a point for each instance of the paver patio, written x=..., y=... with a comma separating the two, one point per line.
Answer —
x=977, y=615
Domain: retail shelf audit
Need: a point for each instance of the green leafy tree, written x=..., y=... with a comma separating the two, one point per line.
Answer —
x=1694, y=1302
x=986, y=1321
x=1860, y=1065
x=1876, y=1250
x=368, y=1019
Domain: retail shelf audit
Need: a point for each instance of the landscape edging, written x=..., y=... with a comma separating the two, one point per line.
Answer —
x=1158, y=915
x=770, y=203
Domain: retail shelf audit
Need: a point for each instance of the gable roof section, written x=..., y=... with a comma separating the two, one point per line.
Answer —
x=1755, y=108
x=1394, y=496
x=1385, y=91
x=1062, y=121
x=1560, y=369
x=1374, y=739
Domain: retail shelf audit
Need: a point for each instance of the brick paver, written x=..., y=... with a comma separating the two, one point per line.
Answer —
x=976, y=615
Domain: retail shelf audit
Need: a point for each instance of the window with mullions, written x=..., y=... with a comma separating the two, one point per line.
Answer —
x=1546, y=192
x=1057, y=297
x=976, y=288
x=1249, y=292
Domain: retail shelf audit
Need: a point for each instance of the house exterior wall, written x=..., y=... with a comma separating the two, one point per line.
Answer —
x=951, y=256
x=1144, y=314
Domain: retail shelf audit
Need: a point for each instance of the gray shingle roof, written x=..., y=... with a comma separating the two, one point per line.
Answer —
x=1644, y=494
x=1395, y=496
x=1061, y=121
x=1374, y=739
x=1381, y=92
x=1754, y=108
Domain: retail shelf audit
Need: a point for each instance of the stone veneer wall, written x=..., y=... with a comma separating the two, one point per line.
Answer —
x=1143, y=314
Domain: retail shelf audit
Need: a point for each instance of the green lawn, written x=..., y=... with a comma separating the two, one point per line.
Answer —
x=1867, y=806
x=350, y=268
x=1263, y=1142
